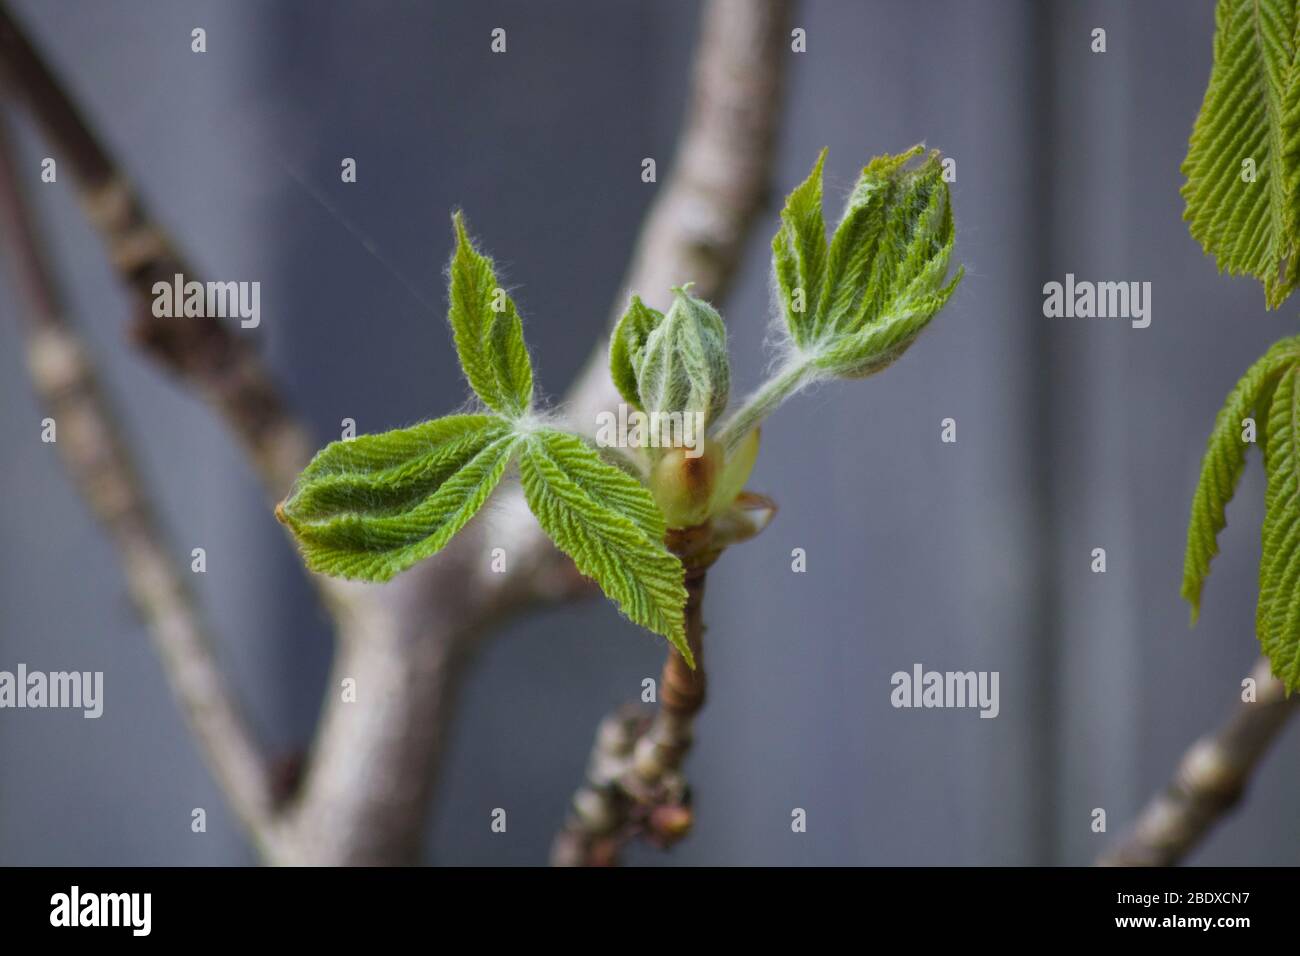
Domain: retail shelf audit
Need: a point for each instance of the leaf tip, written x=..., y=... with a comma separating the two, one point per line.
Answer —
x=460, y=229
x=1191, y=593
x=684, y=649
x=916, y=149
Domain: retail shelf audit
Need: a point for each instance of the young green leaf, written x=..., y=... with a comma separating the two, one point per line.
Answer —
x=373, y=506
x=887, y=266
x=883, y=278
x=864, y=248
x=884, y=275
x=488, y=332
x=869, y=350
x=1224, y=461
x=608, y=524
x=1277, y=616
x=799, y=255
x=1243, y=161
x=626, y=346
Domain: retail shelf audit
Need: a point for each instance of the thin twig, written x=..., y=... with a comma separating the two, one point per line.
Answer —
x=1209, y=781
x=102, y=467
x=634, y=785
x=695, y=232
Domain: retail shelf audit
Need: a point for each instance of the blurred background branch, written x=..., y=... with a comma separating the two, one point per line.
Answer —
x=89, y=437
x=365, y=791
x=206, y=355
x=1210, y=779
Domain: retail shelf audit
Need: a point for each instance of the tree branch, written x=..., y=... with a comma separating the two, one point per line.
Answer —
x=695, y=232
x=101, y=465
x=1209, y=781
x=370, y=780
x=634, y=784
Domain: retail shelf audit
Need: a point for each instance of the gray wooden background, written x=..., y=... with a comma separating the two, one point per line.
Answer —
x=1072, y=433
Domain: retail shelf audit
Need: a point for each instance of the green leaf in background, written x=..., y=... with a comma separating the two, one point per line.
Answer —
x=684, y=366
x=1224, y=461
x=1277, y=616
x=626, y=346
x=1268, y=391
x=1251, y=114
x=608, y=524
x=488, y=332
x=799, y=255
x=371, y=507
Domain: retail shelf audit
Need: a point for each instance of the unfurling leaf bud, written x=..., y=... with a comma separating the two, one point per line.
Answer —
x=853, y=306
x=683, y=366
x=627, y=345
x=876, y=304
x=869, y=294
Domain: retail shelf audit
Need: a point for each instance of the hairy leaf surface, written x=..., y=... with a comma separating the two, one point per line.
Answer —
x=1250, y=115
x=883, y=276
x=626, y=346
x=1277, y=616
x=608, y=524
x=488, y=332
x=799, y=255
x=1224, y=461
x=373, y=506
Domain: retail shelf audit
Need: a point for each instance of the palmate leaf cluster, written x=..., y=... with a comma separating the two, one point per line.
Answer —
x=1243, y=205
x=370, y=507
